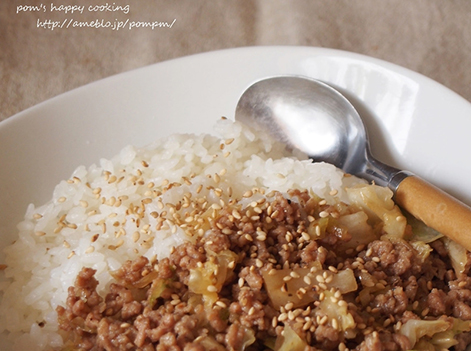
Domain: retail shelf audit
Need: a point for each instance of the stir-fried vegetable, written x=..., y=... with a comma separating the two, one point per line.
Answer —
x=377, y=202
x=299, y=289
x=415, y=329
x=458, y=255
x=209, y=278
x=290, y=341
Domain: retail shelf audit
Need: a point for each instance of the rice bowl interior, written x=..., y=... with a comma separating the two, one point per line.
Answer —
x=138, y=204
x=398, y=97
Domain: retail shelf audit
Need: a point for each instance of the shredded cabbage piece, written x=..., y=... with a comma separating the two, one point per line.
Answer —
x=344, y=281
x=415, y=329
x=289, y=341
x=377, y=202
x=157, y=289
x=209, y=279
x=209, y=343
x=458, y=255
x=358, y=227
x=333, y=310
x=423, y=249
x=420, y=231
x=445, y=339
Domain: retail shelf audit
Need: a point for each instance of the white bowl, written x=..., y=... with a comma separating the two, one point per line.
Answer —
x=414, y=123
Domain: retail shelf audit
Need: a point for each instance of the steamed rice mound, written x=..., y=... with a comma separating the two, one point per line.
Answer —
x=123, y=208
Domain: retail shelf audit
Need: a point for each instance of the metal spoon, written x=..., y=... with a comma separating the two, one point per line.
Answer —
x=315, y=118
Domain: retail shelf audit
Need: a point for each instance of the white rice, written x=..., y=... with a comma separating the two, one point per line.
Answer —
x=85, y=226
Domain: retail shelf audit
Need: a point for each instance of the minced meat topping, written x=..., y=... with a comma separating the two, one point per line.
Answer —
x=285, y=273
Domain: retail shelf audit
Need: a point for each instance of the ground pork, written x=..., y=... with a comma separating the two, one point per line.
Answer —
x=216, y=293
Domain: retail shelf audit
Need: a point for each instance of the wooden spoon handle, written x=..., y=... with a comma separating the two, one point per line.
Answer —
x=436, y=209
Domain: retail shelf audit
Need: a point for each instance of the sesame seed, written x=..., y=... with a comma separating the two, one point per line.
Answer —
x=307, y=325
x=324, y=214
x=294, y=274
x=248, y=193
x=248, y=237
x=211, y=288
x=282, y=317
x=221, y=304
x=241, y=282
x=307, y=280
x=61, y=199
x=333, y=269
x=291, y=315
x=39, y=233
x=236, y=214
x=335, y=324
x=380, y=286
x=90, y=249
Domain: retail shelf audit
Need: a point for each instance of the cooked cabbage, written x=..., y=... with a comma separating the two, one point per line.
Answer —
x=290, y=341
x=333, y=310
x=420, y=231
x=434, y=335
x=344, y=281
x=458, y=255
x=359, y=229
x=209, y=278
x=377, y=202
x=423, y=249
x=415, y=329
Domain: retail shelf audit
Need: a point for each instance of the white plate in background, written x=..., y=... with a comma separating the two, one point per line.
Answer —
x=414, y=123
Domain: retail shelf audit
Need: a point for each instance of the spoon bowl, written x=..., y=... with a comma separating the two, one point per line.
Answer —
x=329, y=130
x=313, y=117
